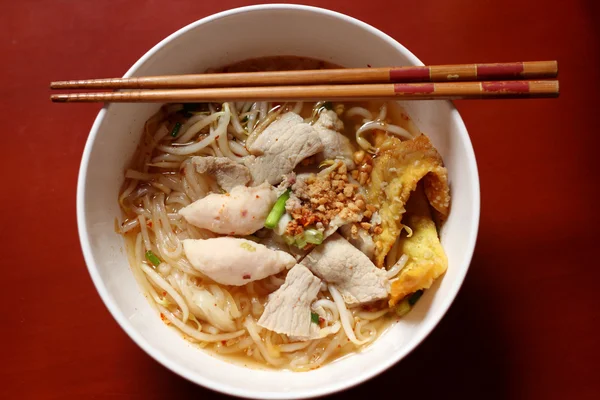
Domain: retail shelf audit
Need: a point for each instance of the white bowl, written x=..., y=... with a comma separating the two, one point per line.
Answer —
x=222, y=39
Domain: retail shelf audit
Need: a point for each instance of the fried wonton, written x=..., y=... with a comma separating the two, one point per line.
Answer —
x=397, y=169
x=426, y=257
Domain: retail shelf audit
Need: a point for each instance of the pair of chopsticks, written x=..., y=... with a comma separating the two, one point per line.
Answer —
x=448, y=82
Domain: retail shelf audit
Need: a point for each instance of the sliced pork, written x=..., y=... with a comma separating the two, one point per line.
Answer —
x=228, y=173
x=288, y=308
x=280, y=147
x=335, y=144
x=336, y=261
x=359, y=239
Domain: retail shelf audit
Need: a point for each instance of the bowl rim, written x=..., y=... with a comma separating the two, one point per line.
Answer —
x=194, y=376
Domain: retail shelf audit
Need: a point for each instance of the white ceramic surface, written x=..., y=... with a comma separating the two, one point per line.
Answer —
x=225, y=38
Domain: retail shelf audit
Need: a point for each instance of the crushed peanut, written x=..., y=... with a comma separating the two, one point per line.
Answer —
x=320, y=198
x=360, y=203
x=366, y=168
x=348, y=190
x=359, y=156
x=354, y=231
x=362, y=178
x=353, y=207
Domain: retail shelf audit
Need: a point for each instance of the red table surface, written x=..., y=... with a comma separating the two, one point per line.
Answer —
x=522, y=325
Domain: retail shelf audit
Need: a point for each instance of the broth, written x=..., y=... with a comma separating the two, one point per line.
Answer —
x=148, y=197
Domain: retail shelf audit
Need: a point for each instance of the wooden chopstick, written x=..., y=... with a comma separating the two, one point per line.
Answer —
x=435, y=73
x=398, y=91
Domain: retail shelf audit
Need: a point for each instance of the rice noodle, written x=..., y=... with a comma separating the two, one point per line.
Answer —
x=135, y=262
x=164, y=285
x=397, y=267
x=222, y=141
x=144, y=231
x=170, y=182
x=161, y=187
x=372, y=315
x=262, y=125
x=215, y=149
x=188, y=131
x=165, y=164
x=263, y=110
x=141, y=176
x=177, y=198
x=198, y=186
x=238, y=131
x=238, y=149
x=358, y=331
x=235, y=348
x=359, y=111
x=297, y=107
x=212, y=310
x=128, y=190
x=345, y=316
x=252, y=329
x=382, y=112
x=378, y=125
x=252, y=117
x=392, y=256
x=193, y=333
x=292, y=347
x=331, y=347
x=162, y=180
x=168, y=157
x=330, y=330
x=328, y=306
x=271, y=348
x=194, y=148
x=129, y=225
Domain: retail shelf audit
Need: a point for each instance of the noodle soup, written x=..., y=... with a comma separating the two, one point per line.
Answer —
x=283, y=235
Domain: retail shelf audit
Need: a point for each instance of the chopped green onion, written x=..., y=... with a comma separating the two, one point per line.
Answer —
x=300, y=241
x=290, y=240
x=328, y=105
x=313, y=236
x=245, y=119
x=277, y=211
x=176, y=129
x=150, y=256
x=402, y=308
x=314, y=317
x=248, y=246
x=415, y=297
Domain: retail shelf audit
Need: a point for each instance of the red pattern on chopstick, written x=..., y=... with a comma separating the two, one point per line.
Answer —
x=507, y=70
x=414, y=88
x=410, y=74
x=506, y=87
